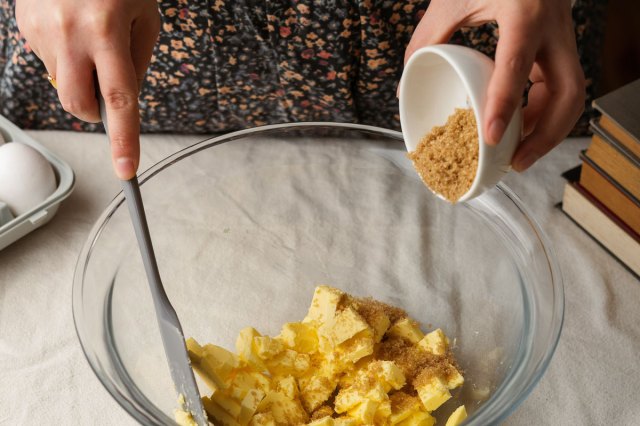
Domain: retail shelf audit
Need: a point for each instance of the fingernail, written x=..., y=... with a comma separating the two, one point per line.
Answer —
x=125, y=169
x=522, y=164
x=496, y=130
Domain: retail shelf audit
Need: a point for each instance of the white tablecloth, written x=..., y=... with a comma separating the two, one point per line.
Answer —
x=44, y=379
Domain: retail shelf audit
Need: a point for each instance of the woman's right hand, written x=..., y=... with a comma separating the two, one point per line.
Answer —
x=115, y=39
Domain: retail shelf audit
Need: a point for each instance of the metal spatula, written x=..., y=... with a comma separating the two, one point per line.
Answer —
x=172, y=337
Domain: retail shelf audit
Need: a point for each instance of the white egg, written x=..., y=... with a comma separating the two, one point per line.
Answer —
x=26, y=177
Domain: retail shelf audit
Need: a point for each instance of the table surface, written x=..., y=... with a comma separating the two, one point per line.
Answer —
x=45, y=379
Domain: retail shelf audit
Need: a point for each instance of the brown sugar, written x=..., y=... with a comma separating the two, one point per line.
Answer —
x=417, y=365
x=447, y=157
x=370, y=309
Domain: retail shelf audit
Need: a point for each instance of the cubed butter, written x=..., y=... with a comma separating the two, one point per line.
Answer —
x=434, y=393
x=403, y=407
x=285, y=410
x=244, y=380
x=435, y=342
x=356, y=348
x=407, y=329
x=262, y=419
x=345, y=421
x=346, y=324
x=217, y=413
x=194, y=350
x=287, y=386
x=419, y=418
x=249, y=405
x=382, y=413
x=457, y=416
x=455, y=379
x=388, y=374
x=325, y=421
x=346, y=399
x=246, y=349
x=301, y=337
x=289, y=362
x=315, y=389
x=218, y=364
x=323, y=305
x=267, y=347
x=365, y=411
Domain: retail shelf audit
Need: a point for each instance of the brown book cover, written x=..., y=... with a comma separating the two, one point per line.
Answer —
x=602, y=225
x=608, y=192
x=621, y=115
x=617, y=162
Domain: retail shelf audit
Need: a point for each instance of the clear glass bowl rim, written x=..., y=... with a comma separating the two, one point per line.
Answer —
x=493, y=411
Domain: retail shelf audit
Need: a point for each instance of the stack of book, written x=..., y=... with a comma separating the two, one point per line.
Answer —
x=603, y=196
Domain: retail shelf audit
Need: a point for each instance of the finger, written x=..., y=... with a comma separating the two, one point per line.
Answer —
x=537, y=99
x=565, y=85
x=144, y=35
x=76, y=90
x=515, y=55
x=441, y=19
x=117, y=79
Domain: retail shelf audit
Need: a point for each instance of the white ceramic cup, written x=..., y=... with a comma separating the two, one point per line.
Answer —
x=436, y=80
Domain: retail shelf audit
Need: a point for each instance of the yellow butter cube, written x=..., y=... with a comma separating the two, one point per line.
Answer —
x=216, y=366
x=249, y=405
x=287, y=386
x=217, y=413
x=455, y=379
x=435, y=342
x=365, y=411
x=300, y=337
x=315, y=389
x=387, y=373
x=246, y=349
x=289, y=362
x=325, y=421
x=407, y=329
x=419, y=418
x=346, y=399
x=229, y=404
x=267, y=347
x=243, y=380
x=345, y=421
x=346, y=324
x=377, y=319
x=194, y=350
x=285, y=410
x=433, y=394
x=262, y=419
x=382, y=413
x=356, y=348
x=457, y=416
x=403, y=406
x=323, y=305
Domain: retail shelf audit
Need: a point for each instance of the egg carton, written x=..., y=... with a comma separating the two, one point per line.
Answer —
x=45, y=211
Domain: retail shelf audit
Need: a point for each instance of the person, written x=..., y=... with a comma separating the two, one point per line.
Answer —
x=204, y=66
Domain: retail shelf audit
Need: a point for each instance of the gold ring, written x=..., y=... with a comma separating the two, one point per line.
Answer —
x=53, y=81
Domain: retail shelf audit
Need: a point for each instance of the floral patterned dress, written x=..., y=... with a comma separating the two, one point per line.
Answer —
x=222, y=65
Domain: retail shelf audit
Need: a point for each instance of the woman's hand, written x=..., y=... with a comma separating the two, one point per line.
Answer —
x=114, y=38
x=536, y=42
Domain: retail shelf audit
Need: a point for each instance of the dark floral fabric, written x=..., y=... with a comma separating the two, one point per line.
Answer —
x=222, y=65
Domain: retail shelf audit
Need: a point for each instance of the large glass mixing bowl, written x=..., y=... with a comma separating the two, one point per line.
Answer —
x=247, y=224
